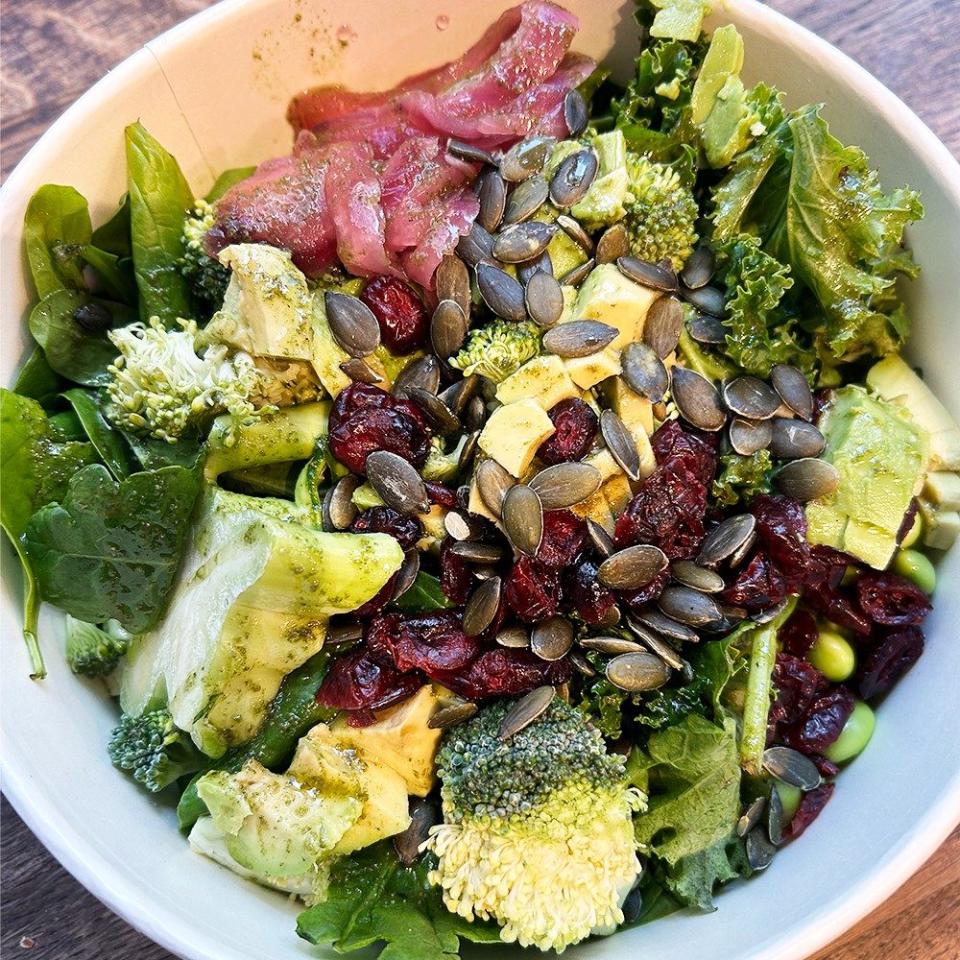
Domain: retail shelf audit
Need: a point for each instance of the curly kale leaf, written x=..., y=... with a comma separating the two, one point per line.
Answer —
x=693, y=878
x=742, y=478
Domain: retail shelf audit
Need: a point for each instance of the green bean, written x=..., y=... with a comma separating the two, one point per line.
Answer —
x=916, y=567
x=832, y=655
x=855, y=735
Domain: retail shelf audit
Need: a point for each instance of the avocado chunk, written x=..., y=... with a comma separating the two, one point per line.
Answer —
x=544, y=379
x=881, y=454
x=608, y=296
x=587, y=372
x=513, y=435
x=604, y=202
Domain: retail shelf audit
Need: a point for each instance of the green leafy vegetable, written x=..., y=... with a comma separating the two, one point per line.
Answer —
x=373, y=899
x=740, y=479
x=94, y=651
x=425, y=595
x=693, y=878
x=38, y=380
x=114, y=274
x=107, y=441
x=226, y=180
x=159, y=199
x=678, y=19
x=110, y=550
x=36, y=469
x=56, y=227
x=113, y=236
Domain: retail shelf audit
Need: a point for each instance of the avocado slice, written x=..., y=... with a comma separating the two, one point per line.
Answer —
x=608, y=296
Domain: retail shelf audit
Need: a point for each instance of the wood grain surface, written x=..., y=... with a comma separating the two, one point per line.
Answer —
x=53, y=50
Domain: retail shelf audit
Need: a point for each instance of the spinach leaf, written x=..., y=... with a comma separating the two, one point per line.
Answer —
x=71, y=351
x=159, y=200
x=153, y=453
x=425, y=595
x=66, y=425
x=113, y=236
x=56, y=227
x=115, y=274
x=106, y=439
x=373, y=898
x=35, y=470
x=226, y=180
x=111, y=550
x=38, y=380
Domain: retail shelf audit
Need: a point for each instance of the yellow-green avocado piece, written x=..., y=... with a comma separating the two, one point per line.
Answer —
x=881, y=454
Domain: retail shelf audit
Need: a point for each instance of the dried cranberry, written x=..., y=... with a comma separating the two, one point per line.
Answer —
x=407, y=530
x=820, y=400
x=455, y=575
x=891, y=600
x=798, y=635
x=636, y=599
x=822, y=722
x=376, y=603
x=826, y=567
x=906, y=525
x=564, y=539
x=399, y=311
x=810, y=806
x=575, y=425
x=355, y=681
x=758, y=585
x=440, y=495
x=839, y=606
x=781, y=532
x=532, y=591
x=356, y=398
x=502, y=672
x=583, y=591
x=797, y=683
x=431, y=642
x=689, y=449
x=889, y=661
x=828, y=769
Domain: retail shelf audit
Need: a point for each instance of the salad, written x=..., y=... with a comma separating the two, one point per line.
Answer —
x=499, y=518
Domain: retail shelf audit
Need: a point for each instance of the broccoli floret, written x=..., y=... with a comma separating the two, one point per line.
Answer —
x=498, y=349
x=94, y=651
x=208, y=278
x=661, y=214
x=152, y=750
x=538, y=829
x=160, y=386
x=442, y=465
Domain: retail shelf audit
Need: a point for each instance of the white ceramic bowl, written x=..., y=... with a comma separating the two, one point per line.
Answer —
x=213, y=90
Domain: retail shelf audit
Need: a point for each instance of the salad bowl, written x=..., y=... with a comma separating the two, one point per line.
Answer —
x=899, y=801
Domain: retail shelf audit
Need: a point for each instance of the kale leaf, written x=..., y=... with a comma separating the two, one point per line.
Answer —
x=424, y=596
x=740, y=479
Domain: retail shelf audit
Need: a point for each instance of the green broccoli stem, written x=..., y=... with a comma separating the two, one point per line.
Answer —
x=293, y=711
x=756, y=707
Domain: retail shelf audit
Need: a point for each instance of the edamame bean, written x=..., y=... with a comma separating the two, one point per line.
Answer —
x=832, y=655
x=913, y=534
x=855, y=735
x=790, y=797
x=916, y=566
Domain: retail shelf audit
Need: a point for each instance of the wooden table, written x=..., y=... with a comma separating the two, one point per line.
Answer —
x=54, y=49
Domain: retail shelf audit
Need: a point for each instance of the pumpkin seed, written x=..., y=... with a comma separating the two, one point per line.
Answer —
x=544, y=299
x=438, y=414
x=566, y=484
x=611, y=645
x=407, y=573
x=792, y=767
x=449, y=716
x=698, y=270
x=484, y=571
x=360, y=371
x=458, y=526
x=470, y=153
x=689, y=606
x=710, y=300
x=493, y=482
x=611, y=618
x=525, y=711
x=501, y=293
x=474, y=552
x=775, y=817
x=793, y=388
x=707, y=330
x=352, y=324
x=661, y=329
x=644, y=371
x=452, y=282
x=573, y=178
x=340, y=507
x=552, y=639
x=636, y=672
x=581, y=663
x=575, y=232
x=576, y=276
x=725, y=539
x=600, y=538
x=523, y=518
x=475, y=414
x=751, y=816
x=448, y=328
x=460, y=392
x=620, y=443
x=656, y=276
x=525, y=158
x=575, y=112
x=493, y=200
x=541, y=264
x=423, y=373
x=632, y=568
x=807, y=479
x=751, y=398
x=397, y=482
x=699, y=578
x=742, y=552
x=793, y=439
x=697, y=400
x=526, y=199
x=476, y=246
x=656, y=644
x=514, y=638
x=667, y=626
x=632, y=905
x=424, y=815
x=749, y=436
x=522, y=241
x=760, y=850
x=771, y=613
x=482, y=607
x=341, y=633
x=613, y=244
x=579, y=338
x=468, y=451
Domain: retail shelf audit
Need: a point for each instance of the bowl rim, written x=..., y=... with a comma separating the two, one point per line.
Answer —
x=178, y=936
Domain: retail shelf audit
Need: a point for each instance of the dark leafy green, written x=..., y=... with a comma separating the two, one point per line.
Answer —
x=374, y=899
x=38, y=380
x=159, y=200
x=740, y=479
x=425, y=595
x=114, y=274
x=153, y=454
x=226, y=180
x=56, y=227
x=693, y=878
x=113, y=235
x=106, y=439
x=111, y=550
